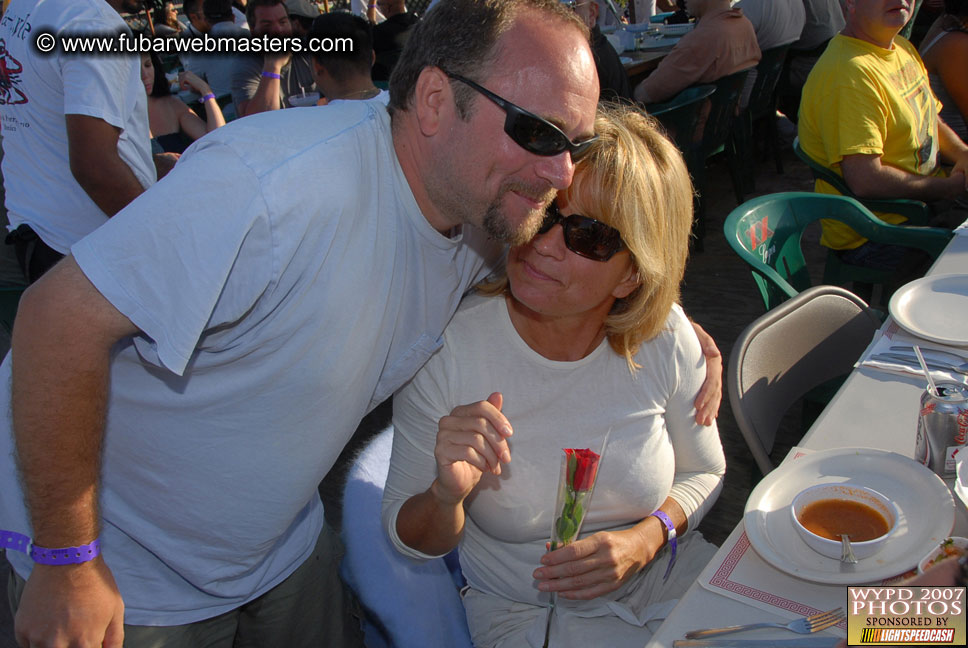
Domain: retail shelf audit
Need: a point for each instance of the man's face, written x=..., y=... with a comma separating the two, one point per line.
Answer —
x=874, y=19
x=483, y=176
x=272, y=21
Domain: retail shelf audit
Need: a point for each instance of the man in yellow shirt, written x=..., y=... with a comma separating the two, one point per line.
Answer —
x=869, y=114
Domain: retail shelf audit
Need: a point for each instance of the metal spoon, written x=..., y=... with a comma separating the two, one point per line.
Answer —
x=847, y=553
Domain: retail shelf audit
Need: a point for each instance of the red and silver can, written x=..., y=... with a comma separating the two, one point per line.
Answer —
x=942, y=427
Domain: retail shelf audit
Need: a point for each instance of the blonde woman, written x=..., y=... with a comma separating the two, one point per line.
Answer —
x=582, y=336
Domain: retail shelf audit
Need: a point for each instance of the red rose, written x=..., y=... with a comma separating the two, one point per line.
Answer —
x=582, y=468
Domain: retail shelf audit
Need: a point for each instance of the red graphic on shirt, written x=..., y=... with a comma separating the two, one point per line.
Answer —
x=10, y=69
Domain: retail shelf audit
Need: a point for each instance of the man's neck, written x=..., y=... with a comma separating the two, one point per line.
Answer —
x=881, y=38
x=361, y=89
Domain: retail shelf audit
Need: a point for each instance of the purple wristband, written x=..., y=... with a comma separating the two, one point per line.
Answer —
x=210, y=95
x=44, y=556
x=271, y=75
x=673, y=544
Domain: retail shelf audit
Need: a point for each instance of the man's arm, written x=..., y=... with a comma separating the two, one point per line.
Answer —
x=269, y=93
x=954, y=151
x=868, y=178
x=95, y=164
x=61, y=349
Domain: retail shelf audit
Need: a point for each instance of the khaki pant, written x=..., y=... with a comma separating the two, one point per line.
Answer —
x=311, y=608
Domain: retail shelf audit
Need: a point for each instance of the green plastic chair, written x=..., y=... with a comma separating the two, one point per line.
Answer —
x=761, y=106
x=915, y=211
x=680, y=115
x=766, y=232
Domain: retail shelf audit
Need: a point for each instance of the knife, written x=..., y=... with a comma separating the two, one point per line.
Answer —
x=929, y=351
x=912, y=361
x=803, y=642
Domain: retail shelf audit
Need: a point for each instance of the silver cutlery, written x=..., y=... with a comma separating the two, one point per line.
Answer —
x=806, y=625
x=933, y=363
x=802, y=642
x=931, y=352
x=846, y=552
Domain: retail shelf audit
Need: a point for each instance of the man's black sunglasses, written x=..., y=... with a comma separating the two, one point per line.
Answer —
x=584, y=236
x=530, y=132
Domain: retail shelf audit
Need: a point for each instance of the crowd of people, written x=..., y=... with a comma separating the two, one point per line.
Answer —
x=215, y=307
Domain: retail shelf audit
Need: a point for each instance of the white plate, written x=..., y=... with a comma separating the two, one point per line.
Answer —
x=676, y=30
x=927, y=513
x=649, y=43
x=934, y=308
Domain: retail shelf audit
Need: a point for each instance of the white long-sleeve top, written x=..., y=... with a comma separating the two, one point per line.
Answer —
x=655, y=447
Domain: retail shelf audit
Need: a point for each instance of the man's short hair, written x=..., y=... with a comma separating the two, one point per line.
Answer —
x=217, y=10
x=341, y=64
x=460, y=36
x=190, y=7
x=251, y=6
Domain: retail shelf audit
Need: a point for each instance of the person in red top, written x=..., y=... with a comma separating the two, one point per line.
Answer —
x=722, y=43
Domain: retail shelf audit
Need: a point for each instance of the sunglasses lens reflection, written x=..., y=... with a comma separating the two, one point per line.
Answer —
x=536, y=136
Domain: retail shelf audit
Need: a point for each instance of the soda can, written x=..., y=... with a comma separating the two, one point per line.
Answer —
x=942, y=427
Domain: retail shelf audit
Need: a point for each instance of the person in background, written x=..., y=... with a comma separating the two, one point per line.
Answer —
x=345, y=74
x=612, y=78
x=945, y=54
x=869, y=115
x=390, y=36
x=580, y=336
x=173, y=124
x=722, y=43
x=216, y=69
x=75, y=136
x=263, y=83
x=823, y=20
x=302, y=13
x=165, y=20
x=776, y=22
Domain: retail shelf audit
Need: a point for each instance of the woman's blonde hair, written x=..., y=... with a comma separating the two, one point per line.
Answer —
x=634, y=179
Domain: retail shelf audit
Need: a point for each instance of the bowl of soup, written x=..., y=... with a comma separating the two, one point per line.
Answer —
x=822, y=513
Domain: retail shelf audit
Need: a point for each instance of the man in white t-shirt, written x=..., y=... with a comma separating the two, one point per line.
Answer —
x=345, y=74
x=183, y=381
x=776, y=22
x=75, y=129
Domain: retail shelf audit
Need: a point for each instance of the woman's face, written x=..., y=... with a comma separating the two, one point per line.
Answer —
x=147, y=74
x=548, y=278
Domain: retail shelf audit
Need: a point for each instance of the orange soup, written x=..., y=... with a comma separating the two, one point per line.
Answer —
x=829, y=518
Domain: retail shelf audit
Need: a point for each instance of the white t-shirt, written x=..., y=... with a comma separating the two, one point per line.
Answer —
x=41, y=191
x=655, y=449
x=286, y=283
x=777, y=22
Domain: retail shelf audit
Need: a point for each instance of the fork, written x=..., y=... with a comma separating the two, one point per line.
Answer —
x=806, y=625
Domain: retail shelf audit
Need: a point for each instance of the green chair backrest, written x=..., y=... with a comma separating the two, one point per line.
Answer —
x=680, y=115
x=768, y=72
x=716, y=129
x=917, y=212
x=766, y=232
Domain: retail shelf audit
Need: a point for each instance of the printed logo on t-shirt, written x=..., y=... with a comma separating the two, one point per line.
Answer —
x=10, y=69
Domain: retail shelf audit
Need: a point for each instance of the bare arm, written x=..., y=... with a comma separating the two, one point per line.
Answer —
x=96, y=165
x=868, y=178
x=269, y=93
x=190, y=123
x=61, y=347
x=470, y=441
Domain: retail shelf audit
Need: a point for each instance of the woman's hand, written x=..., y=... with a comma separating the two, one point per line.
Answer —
x=711, y=393
x=472, y=440
x=598, y=564
x=191, y=81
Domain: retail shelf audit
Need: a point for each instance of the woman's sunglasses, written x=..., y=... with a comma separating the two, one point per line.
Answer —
x=530, y=132
x=584, y=236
